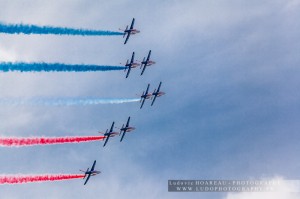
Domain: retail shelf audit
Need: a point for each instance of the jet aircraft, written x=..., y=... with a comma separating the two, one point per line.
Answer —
x=130, y=31
x=109, y=134
x=130, y=65
x=157, y=93
x=146, y=62
x=145, y=96
x=126, y=129
x=90, y=173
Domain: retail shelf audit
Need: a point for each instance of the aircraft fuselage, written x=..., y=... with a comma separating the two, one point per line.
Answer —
x=92, y=173
x=148, y=63
x=159, y=94
x=132, y=31
x=127, y=129
x=111, y=134
x=132, y=65
x=146, y=96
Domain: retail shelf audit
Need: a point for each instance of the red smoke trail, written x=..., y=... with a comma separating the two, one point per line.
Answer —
x=6, y=141
x=19, y=179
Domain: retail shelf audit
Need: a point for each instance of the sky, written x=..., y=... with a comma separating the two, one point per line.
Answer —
x=231, y=110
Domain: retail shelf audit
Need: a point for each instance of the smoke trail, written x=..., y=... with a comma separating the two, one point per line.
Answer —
x=18, y=142
x=19, y=179
x=54, y=67
x=34, y=29
x=64, y=101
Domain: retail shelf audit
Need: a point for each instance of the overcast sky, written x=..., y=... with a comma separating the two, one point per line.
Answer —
x=230, y=70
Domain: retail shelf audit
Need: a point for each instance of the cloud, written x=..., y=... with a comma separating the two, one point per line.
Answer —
x=228, y=67
x=292, y=5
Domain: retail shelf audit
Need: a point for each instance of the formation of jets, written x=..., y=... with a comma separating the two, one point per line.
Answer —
x=145, y=95
x=125, y=128
x=122, y=132
x=131, y=64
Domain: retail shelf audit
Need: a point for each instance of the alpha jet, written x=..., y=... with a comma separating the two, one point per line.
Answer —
x=130, y=31
x=90, y=173
x=126, y=129
x=157, y=93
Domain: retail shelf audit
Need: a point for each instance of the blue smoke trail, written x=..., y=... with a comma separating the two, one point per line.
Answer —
x=33, y=29
x=65, y=101
x=55, y=67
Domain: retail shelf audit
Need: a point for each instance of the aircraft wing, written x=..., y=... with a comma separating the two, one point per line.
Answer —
x=148, y=58
x=153, y=100
x=132, y=58
x=128, y=71
x=128, y=122
x=147, y=89
x=112, y=127
x=142, y=103
x=93, y=167
x=132, y=23
x=106, y=140
x=145, y=62
x=145, y=65
x=123, y=136
x=158, y=87
x=128, y=35
x=87, y=179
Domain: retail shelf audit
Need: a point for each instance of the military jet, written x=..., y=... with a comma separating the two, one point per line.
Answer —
x=130, y=31
x=90, y=173
x=126, y=129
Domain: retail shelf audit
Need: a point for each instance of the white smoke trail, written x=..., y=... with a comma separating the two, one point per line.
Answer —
x=65, y=101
